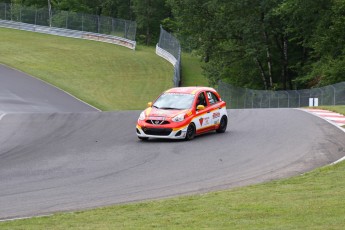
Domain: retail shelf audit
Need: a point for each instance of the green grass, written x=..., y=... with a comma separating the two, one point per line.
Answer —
x=107, y=76
x=191, y=71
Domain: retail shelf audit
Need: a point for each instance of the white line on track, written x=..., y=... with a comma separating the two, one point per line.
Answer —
x=338, y=161
x=2, y=116
x=23, y=218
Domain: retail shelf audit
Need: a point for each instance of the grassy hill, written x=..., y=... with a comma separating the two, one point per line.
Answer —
x=191, y=71
x=107, y=76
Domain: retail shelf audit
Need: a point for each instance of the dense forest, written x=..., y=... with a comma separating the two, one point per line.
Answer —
x=260, y=44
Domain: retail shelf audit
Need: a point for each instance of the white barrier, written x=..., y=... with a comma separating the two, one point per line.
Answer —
x=69, y=33
x=166, y=55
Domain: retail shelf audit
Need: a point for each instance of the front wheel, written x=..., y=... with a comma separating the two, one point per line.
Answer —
x=143, y=138
x=223, y=124
x=190, y=132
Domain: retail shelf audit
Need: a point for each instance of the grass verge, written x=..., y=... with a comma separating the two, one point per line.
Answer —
x=192, y=72
x=314, y=200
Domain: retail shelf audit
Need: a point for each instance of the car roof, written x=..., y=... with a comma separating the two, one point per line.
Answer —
x=190, y=90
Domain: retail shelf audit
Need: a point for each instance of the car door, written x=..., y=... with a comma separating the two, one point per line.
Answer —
x=214, y=108
x=204, y=121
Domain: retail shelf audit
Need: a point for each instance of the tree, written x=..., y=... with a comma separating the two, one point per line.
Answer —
x=328, y=44
x=237, y=39
x=265, y=44
x=148, y=15
x=317, y=27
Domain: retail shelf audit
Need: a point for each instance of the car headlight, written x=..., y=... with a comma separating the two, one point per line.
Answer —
x=142, y=116
x=179, y=118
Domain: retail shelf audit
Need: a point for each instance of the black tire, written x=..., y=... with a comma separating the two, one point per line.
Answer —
x=143, y=138
x=223, y=124
x=190, y=134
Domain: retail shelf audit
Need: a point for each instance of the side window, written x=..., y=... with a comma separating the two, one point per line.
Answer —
x=212, y=98
x=201, y=100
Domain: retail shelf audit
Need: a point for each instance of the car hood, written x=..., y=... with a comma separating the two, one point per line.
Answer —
x=167, y=113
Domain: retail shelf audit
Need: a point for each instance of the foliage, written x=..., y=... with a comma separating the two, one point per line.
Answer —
x=266, y=44
x=149, y=14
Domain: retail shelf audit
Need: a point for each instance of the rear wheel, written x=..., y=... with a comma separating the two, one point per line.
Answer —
x=223, y=124
x=190, y=132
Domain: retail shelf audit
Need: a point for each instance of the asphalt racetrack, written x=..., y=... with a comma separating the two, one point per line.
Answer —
x=59, y=154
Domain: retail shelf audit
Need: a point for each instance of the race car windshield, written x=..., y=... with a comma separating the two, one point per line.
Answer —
x=174, y=101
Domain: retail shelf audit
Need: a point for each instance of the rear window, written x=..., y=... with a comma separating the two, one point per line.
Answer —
x=212, y=98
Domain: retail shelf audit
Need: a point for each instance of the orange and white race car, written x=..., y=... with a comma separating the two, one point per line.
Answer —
x=183, y=113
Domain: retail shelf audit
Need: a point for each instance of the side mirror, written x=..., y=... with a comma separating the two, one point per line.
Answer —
x=149, y=104
x=200, y=107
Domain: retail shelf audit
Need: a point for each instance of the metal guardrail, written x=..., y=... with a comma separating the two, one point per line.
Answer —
x=169, y=48
x=69, y=33
x=166, y=55
x=70, y=24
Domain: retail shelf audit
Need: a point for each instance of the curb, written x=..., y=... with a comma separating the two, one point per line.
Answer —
x=333, y=118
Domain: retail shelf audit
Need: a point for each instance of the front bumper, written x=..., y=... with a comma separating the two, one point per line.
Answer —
x=163, y=133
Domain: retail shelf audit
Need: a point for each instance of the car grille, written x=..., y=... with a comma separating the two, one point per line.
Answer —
x=157, y=132
x=157, y=122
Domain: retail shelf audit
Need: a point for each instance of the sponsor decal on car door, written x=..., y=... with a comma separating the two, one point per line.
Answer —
x=204, y=122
